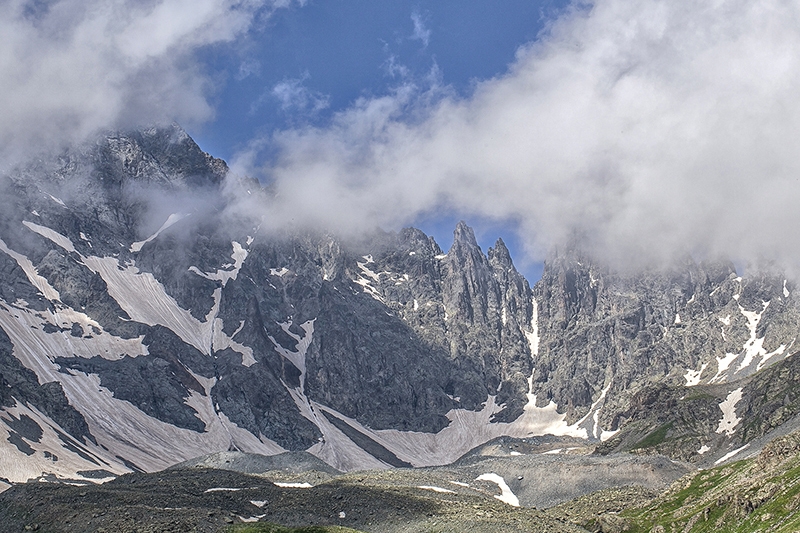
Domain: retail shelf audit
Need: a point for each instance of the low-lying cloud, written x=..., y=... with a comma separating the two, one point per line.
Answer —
x=647, y=128
x=71, y=68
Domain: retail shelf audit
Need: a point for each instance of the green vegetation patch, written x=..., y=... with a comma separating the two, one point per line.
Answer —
x=741, y=497
x=653, y=439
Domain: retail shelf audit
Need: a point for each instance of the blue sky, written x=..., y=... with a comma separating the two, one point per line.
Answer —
x=329, y=53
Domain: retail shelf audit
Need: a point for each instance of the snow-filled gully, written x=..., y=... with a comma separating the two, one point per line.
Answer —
x=116, y=423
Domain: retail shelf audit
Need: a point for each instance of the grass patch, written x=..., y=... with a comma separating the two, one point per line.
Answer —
x=653, y=439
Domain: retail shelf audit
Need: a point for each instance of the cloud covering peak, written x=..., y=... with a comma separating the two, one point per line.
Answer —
x=646, y=128
x=73, y=67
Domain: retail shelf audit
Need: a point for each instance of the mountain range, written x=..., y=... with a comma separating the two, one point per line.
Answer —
x=149, y=314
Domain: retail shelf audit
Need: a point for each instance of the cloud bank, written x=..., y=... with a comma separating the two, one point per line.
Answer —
x=647, y=128
x=73, y=67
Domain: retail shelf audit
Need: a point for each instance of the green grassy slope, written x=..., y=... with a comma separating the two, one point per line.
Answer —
x=760, y=494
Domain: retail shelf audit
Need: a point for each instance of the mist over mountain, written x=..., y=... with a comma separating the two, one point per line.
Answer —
x=148, y=319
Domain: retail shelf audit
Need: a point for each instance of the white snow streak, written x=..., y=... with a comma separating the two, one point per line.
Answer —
x=145, y=300
x=229, y=271
x=533, y=334
x=436, y=489
x=506, y=495
x=171, y=220
x=41, y=284
x=54, y=236
x=752, y=350
x=292, y=485
x=731, y=454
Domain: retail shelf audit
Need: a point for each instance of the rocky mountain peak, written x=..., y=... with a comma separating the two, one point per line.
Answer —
x=499, y=255
x=464, y=235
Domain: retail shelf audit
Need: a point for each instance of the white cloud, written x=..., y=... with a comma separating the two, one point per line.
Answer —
x=71, y=67
x=421, y=32
x=295, y=96
x=649, y=127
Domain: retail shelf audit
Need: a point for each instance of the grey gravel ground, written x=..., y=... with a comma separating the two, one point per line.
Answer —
x=444, y=499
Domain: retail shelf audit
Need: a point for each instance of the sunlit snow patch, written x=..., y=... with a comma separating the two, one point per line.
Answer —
x=292, y=485
x=436, y=489
x=506, y=495
x=729, y=455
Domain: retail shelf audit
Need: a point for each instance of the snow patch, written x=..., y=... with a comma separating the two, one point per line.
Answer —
x=292, y=485
x=59, y=201
x=19, y=467
x=171, y=220
x=677, y=318
x=279, y=272
x=729, y=419
x=436, y=489
x=145, y=300
x=41, y=283
x=533, y=334
x=298, y=358
x=731, y=454
x=594, y=430
x=703, y=449
x=251, y=518
x=692, y=377
x=229, y=271
x=51, y=235
x=506, y=495
x=785, y=290
x=220, y=341
x=467, y=429
x=367, y=278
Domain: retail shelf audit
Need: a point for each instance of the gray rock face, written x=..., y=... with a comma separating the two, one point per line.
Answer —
x=694, y=323
x=146, y=325
x=388, y=332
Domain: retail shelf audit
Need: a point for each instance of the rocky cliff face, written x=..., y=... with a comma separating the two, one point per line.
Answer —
x=143, y=324
x=148, y=326
x=613, y=345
